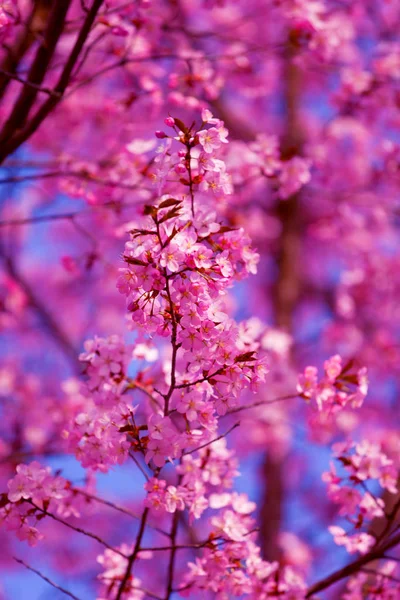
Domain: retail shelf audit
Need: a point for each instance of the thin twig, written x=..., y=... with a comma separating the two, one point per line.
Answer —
x=78, y=530
x=139, y=466
x=260, y=403
x=206, y=378
x=54, y=585
x=26, y=82
x=77, y=174
x=39, y=219
x=120, y=509
x=212, y=441
x=171, y=564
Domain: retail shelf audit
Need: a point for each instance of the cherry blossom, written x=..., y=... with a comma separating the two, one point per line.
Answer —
x=199, y=292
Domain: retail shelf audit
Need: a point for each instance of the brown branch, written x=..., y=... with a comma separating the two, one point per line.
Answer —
x=46, y=579
x=15, y=77
x=139, y=466
x=171, y=564
x=285, y=296
x=134, y=385
x=174, y=346
x=174, y=333
x=38, y=70
x=121, y=509
x=40, y=219
x=80, y=175
x=381, y=526
x=133, y=556
x=380, y=529
x=48, y=106
x=353, y=567
x=206, y=378
x=32, y=30
x=286, y=289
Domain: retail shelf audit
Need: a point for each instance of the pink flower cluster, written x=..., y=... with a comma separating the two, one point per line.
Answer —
x=180, y=263
x=229, y=569
x=179, y=268
x=341, y=386
x=362, y=463
x=212, y=468
x=196, y=165
x=106, y=361
x=96, y=435
x=380, y=583
x=30, y=492
x=294, y=174
x=183, y=265
x=230, y=564
x=317, y=27
x=264, y=159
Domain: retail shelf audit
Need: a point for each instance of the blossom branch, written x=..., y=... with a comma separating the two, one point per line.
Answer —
x=220, y=437
x=353, y=567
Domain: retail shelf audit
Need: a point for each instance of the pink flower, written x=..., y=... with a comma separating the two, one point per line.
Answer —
x=190, y=339
x=160, y=427
x=201, y=256
x=211, y=139
x=231, y=524
x=359, y=542
x=197, y=506
x=174, y=499
x=30, y=534
x=156, y=453
x=333, y=367
x=294, y=174
x=19, y=488
x=307, y=383
x=189, y=404
x=172, y=258
x=28, y=482
x=372, y=507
